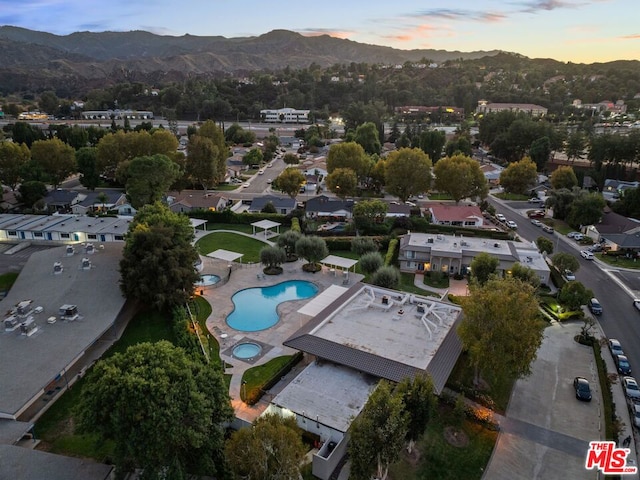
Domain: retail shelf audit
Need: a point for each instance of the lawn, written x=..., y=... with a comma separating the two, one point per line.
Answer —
x=55, y=427
x=437, y=458
x=619, y=261
x=236, y=227
x=250, y=247
x=436, y=279
x=439, y=196
x=511, y=196
x=202, y=309
x=257, y=377
x=7, y=280
x=227, y=188
x=407, y=285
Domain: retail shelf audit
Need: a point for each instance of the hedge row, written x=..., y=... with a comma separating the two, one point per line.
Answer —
x=295, y=225
x=253, y=395
x=393, y=245
x=227, y=216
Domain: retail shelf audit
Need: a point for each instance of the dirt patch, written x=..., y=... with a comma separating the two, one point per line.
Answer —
x=456, y=437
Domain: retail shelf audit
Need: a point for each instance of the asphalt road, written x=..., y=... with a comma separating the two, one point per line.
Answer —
x=619, y=319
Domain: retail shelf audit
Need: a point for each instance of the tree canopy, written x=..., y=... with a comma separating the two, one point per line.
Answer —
x=56, y=159
x=564, y=177
x=483, y=266
x=13, y=158
x=460, y=176
x=407, y=173
x=163, y=409
x=149, y=179
x=87, y=162
x=312, y=249
x=290, y=181
x=348, y=155
x=432, y=142
x=519, y=177
x=158, y=258
x=367, y=137
x=565, y=261
x=343, y=182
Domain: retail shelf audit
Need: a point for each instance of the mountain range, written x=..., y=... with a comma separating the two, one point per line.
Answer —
x=39, y=57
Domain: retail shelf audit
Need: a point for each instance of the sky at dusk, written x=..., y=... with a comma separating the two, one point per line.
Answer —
x=584, y=31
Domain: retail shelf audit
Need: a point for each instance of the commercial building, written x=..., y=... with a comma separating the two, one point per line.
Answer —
x=285, y=115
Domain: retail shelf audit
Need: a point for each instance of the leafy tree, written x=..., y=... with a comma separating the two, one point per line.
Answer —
x=544, y=245
x=157, y=262
x=348, y=155
x=272, y=257
x=408, y=172
x=519, y=177
x=540, y=152
x=629, y=204
x=501, y=316
x=560, y=201
x=343, y=182
x=420, y=403
x=32, y=191
x=377, y=434
x=387, y=276
x=362, y=245
x=573, y=295
x=56, y=158
x=13, y=159
x=483, y=266
x=149, y=178
x=291, y=159
x=312, y=249
x=290, y=181
x=575, y=146
x=460, y=145
x=201, y=165
x=367, y=137
x=563, y=177
x=269, y=208
x=565, y=261
x=87, y=162
x=370, y=262
x=586, y=209
x=163, y=410
x=432, y=142
x=461, y=177
x=253, y=157
x=525, y=274
x=26, y=133
x=271, y=449
x=237, y=135
x=288, y=241
x=49, y=102
x=371, y=210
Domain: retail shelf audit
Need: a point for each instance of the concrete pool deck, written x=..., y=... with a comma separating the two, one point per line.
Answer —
x=246, y=276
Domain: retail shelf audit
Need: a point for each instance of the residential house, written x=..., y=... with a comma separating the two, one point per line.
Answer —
x=614, y=189
x=60, y=200
x=190, y=200
x=616, y=231
x=453, y=255
x=98, y=201
x=283, y=205
x=323, y=206
x=456, y=215
x=398, y=210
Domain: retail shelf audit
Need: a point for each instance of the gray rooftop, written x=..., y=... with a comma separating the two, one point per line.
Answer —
x=31, y=363
x=454, y=244
x=24, y=463
x=328, y=393
x=11, y=431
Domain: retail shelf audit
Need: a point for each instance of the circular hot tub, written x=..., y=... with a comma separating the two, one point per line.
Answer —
x=207, y=280
x=246, y=350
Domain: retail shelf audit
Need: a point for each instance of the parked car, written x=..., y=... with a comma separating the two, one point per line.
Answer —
x=587, y=255
x=512, y=225
x=616, y=347
x=269, y=181
x=547, y=228
x=577, y=236
x=569, y=276
x=582, y=388
x=537, y=223
x=636, y=303
x=631, y=388
x=246, y=185
x=411, y=204
x=261, y=172
x=594, y=306
x=634, y=410
x=622, y=364
x=501, y=217
x=536, y=214
x=535, y=200
x=595, y=248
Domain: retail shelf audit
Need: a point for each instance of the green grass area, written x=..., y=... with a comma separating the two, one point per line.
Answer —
x=439, y=196
x=439, y=459
x=511, y=196
x=619, y=261
x=201, y=309
x=228, y=188
x=257, y=377
x=7, y=280
x=436, y=280
x=55, y=427
x=236, y=227
x=497, y=394
x=250, y=247
x=407, y=285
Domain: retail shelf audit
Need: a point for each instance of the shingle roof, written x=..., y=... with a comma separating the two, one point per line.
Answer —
x=451, y=213
x=258, y=203
x=326, y=204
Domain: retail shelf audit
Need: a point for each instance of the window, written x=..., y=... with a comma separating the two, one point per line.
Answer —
x=92, y=236
x=37, y=234
x=64, y=235
x=410, y=254
x=12, y=233
x=470, y=222
x=118, y=237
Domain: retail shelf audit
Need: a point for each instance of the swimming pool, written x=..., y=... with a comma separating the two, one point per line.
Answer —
x=207, y=279
x=256, y=308
x=246, y=350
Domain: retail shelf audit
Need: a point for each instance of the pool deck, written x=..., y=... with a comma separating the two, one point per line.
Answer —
x=246, y=276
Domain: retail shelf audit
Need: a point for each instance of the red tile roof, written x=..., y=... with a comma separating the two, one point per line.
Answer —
x=453, y=213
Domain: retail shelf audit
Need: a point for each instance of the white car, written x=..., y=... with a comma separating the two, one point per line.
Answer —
x=616, y=347
x=569, y=276
x=636, y=303
x=535, y=200
x=512, y=225
x=536, y=222
x=587, y=255
x=501, y=217
x=260, y=172
x=270, y=165
x=577, y=236
x=246, y=185
x=411, y=204
x=634, y=410
x=269, y=181
x=631, y=388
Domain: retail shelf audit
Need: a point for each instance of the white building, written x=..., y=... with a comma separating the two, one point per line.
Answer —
x=285, y=115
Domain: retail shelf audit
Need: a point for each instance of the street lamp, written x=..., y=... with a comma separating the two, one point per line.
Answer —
x=244, y=390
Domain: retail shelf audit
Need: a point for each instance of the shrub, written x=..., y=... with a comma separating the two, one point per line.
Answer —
x=312, y=249
x=268, y=208
x=288, y=241
x=363, y=245
x=272, y=258
x=393, y=245
x=387, y=277
x=370, y=262
x=295, y=225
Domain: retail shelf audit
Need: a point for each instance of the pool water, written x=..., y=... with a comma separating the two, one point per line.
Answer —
x=256, y=308
x=207, y=279
x=246, y=350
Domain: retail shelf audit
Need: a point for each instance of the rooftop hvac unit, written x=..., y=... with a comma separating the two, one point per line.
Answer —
x=70, y=251
x=29, y=327
x=23, y=308
x=68, y=312
x=11, y=323
x=89, y=249
x=496, y=245
x=57, y=268
x=429, y=240
x=86, y=264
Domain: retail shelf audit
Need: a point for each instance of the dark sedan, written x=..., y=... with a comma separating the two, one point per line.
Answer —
x=583, y=390
x=622, y=364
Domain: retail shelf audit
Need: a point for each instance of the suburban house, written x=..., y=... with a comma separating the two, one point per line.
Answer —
x=491, y=173
x=453, y=255
x=283, y=205
x=60, y=200
x=398, y=210
x=456, y=215
x=357, y=336
x=616, y=231
x=324, y=206
x=311, y=183
x=614, y=189
x=102, y=200
x=190, y=200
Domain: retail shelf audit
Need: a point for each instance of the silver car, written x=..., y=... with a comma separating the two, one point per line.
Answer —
x=631, y=388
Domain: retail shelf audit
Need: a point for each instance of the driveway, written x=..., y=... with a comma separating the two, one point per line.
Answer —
x=546, y=430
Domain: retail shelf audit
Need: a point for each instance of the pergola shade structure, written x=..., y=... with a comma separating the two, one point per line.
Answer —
x=334, y=261
x=266, y=226
x=226, y=255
